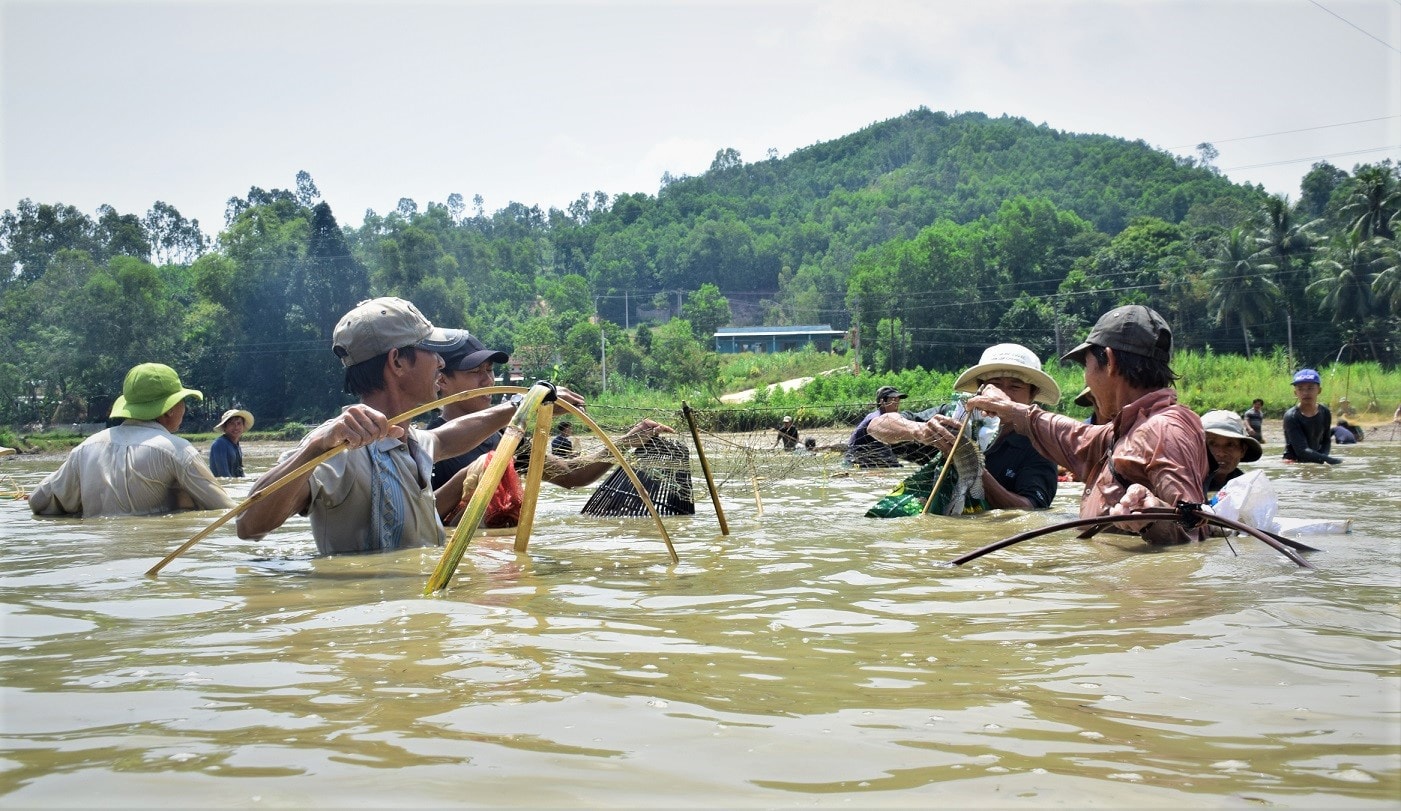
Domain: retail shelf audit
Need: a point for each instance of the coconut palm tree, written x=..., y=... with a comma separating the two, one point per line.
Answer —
x=1290, y=244
x=1239, y=278
x=1344, y=287
x=1374, y=202
x=1386, y=284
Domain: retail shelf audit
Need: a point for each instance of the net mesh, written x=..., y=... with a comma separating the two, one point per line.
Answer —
x=742, y=461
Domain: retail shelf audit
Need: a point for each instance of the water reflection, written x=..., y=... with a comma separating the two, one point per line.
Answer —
x=811, y=657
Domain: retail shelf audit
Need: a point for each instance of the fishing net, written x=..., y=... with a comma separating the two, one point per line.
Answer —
x=741, y=447
x=664, y=468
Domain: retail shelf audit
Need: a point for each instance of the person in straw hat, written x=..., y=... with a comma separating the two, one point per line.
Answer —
x=1151, y=453
x=1015, y=476
x=226, y=454
x=138, y=467
x=1227, y=445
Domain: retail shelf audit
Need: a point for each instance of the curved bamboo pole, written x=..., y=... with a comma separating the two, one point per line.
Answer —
x=1278, y=542
x=705, y=467
x=505, y=450
x=476, y=508
x=539, y=448
x=310, y=465
x=627, y=468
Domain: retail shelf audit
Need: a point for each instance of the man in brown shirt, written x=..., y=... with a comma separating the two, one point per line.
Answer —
x=1151, y=452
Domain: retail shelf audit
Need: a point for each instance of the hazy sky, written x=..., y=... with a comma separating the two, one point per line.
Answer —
x=192, y=102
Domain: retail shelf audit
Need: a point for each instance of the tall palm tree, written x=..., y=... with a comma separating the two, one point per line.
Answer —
x=1344, y=287
x=1240, y=283
x=1290, y=244
x=1374, y=202
x=1386, y=284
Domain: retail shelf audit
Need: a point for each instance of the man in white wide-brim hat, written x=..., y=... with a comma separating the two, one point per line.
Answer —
x=226, y=454
x=1015, y=476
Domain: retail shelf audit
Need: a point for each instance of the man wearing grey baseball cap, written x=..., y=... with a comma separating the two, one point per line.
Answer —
x=1151, y=453
x=378, y=494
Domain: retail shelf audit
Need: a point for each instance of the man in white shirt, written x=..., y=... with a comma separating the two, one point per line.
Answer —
x=139, y=467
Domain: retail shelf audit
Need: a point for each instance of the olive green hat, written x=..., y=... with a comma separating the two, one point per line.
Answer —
x=150, y=390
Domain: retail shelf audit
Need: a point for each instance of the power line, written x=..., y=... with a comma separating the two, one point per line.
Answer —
x=1364, y=31
x=1314, y=158
x=1291, y=132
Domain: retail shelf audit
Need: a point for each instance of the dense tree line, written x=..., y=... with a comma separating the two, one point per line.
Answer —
x=929, y=235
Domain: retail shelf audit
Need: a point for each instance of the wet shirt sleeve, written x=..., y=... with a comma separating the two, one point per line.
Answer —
x=60, y=493
x=197, y=480
x=1168, y=453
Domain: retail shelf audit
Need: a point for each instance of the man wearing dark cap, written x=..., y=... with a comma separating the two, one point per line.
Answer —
x=1151, y=452
x=139, y=467
x=468, y=364
x=1308, y=425
x=378, y=494
x=864, y=450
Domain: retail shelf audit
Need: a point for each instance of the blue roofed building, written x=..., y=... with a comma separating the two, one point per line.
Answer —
x=730, y=340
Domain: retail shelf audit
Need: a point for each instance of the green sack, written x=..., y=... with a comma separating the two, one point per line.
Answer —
x=909, y=496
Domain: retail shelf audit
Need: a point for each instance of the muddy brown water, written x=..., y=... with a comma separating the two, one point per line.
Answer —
x=812, y=658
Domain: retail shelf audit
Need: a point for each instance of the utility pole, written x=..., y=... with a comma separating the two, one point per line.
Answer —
x=856, y=336
x=602, y=343
x=1289, y=327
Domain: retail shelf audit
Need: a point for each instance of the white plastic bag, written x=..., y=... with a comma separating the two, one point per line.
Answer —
x=1249, y=499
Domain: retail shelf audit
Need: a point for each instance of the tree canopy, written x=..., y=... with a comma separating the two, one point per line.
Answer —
x=931, y=235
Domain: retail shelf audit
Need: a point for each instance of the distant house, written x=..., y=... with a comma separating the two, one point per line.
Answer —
x=729, y=340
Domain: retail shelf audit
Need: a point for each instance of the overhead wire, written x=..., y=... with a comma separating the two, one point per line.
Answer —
x=1354, y=25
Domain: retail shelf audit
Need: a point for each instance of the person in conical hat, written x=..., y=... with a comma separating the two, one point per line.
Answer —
x=139, y=467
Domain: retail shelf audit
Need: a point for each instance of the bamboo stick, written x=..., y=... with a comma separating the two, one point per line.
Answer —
x=705, y=468
x=535, y=472
x=476, y=508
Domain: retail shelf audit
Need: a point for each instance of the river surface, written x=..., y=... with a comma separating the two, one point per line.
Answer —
x=812, y=658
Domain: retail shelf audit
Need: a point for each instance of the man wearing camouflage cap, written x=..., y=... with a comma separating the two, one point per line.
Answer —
x=1150, y=453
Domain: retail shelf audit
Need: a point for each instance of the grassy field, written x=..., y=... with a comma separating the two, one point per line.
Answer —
x=1207, y=381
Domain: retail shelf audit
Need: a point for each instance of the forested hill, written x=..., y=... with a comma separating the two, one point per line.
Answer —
x=935, y=234
x=925, y=166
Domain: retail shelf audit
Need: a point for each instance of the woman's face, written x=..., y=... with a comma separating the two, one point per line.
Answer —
x=1226, y=451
